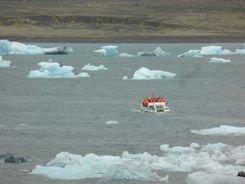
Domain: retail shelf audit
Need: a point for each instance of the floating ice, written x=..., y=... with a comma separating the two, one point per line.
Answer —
x=191, y=53
x=125, y=77
x=83, y=74
x=69, y=166
x=207, y=50
x=111, y=122
x=219, y=60
x=211, y=158
x=157, y=52
x=124, y=54
x=54, y=70
x=4, y=63
x=212, y=178
x=109, y=50
x=7, y=48
x=221, y=131
x=89, y=67
x=146, y=74
x=240, y=51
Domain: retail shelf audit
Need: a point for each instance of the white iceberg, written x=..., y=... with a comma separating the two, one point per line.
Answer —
x=157, y=52
x=213, y=178
x=53, y=70
x=211, y=158
x=109, y=50
x=191, y=53
x=240, y=51
x=124, y=54
x=145, y=74
x=219, y=60
x=223, y=130
x=8, y=48
x=89, y=67
x=4, y=63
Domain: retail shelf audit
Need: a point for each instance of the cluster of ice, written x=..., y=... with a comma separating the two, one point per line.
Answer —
x=4, y=63
x=145, y=74
x=221, y=131
x=157, y=52
x=109, y=50
x=219, y=60
x=215, y=158
x=89, y=67
x=54, y=70
x=207, y=50
x=7, y=48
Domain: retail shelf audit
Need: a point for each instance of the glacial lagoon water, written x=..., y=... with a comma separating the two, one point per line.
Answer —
x=43, y=117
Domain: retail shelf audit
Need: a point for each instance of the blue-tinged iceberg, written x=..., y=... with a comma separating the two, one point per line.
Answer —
x=8, y=48
x=157, y=52
x=146, y=74
x=207, y=50
x=54, y=70
x=89, y=67
x=4, y=63
x=219, y=60
x=109, y=50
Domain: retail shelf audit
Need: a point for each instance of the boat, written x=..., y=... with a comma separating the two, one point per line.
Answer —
x=60, y=50
x=153, y=105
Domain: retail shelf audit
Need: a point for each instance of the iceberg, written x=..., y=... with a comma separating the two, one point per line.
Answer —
x=8, y=48
x=223, y=130
x=54, y=70
x=145, y=74
x=191, y=53
x=109, y=50
x=124, y=54
x=213, y=158
x=157, y=52
x=219, y=60
x=240, y=51
x=4, y=63
x=89, y=67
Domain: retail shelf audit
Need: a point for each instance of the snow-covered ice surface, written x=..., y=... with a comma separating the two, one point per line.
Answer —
x=4, y=63
x=54, y=70
x=219, y=60
x=109, y=50
x=223, y=130
x=215, y=158
x=89, y=67
x=146, y=74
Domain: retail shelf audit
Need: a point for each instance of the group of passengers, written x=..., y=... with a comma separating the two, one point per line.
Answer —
x=150, y=99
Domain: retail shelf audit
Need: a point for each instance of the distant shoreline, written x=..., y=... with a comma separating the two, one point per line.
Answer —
x=163, y=39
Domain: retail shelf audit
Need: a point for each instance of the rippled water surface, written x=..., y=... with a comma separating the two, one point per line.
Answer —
x=43, y=117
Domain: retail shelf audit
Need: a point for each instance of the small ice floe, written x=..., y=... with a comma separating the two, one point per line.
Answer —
x=89, y=67
x=125, y=77
x=53, y=70
x=12, y=158
x=111, y=122
x=223, y=130
x=7, y=48
x=207, y=50
x=83, y=74
x=145, y=74
x=4, y=63
x=124, y=54
x=240, y=51
x=109, y=50
x=219, y=60
x=157, y=52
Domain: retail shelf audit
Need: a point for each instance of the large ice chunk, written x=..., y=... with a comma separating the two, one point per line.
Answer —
x=157, y=52
x=54, y=70
x=219, y=60
x=109, y=50
x=89, y=67
x=7, y=48
x=146, y=74
x=4, y=63
x=223, y=130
